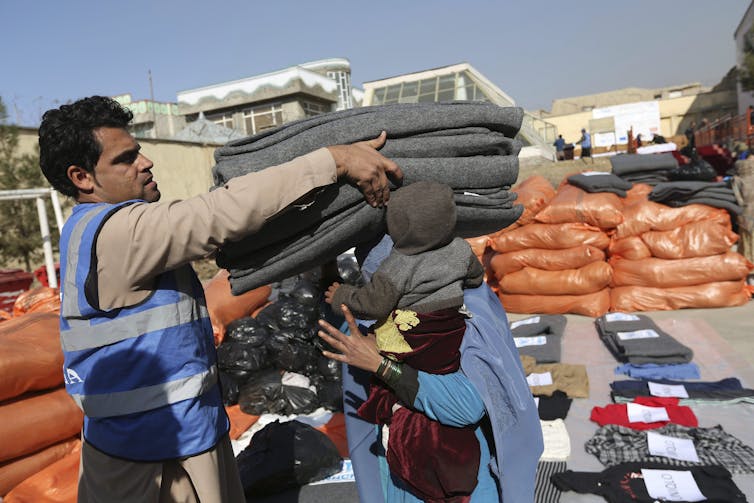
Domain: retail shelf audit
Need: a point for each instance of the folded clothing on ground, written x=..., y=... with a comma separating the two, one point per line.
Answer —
x=540, y=336
x=637, y=339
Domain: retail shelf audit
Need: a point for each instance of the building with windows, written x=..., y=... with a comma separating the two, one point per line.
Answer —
x=152, y=119
x=269, y=100
x=459, y=82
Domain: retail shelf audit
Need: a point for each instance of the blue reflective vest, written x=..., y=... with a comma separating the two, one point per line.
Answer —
x=144, y=375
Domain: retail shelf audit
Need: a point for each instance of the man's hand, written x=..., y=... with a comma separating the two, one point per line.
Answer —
x=356, y=350
x=362, y=165
x=331, y=292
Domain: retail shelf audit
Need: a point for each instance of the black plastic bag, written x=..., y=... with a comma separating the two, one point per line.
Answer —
x=330, y=395
x=247, y=331
x=263, y=394
x=697, y=170
x=229, y=388
x=232, y=356
x=286, y=455
x=306, y=293
x=349, y=270
x=329, y=369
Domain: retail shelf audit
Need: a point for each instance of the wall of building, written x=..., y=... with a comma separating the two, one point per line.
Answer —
x=181, y=169
x=675, y=114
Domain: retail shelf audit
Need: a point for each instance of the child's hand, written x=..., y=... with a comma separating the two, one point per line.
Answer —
x=331, y=291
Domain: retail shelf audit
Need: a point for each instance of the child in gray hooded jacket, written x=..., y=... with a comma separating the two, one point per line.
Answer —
x=416, y=296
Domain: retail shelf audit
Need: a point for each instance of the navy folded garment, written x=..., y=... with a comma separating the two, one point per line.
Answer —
x=728, y=384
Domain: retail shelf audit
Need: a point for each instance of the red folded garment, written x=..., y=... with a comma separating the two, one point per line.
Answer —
x=617, y=413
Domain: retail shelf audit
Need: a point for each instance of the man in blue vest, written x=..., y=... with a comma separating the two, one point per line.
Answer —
x=586, y=145
x=137, y=341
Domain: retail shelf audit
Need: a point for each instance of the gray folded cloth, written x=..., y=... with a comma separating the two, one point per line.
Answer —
x=280, y=145
x=624, y=164
x=468, y=146
x=601, y=182
x=639, y=340
x=540, y=336
x=682, y=193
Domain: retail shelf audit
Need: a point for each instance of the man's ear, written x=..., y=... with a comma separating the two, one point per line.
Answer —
x=81, y=178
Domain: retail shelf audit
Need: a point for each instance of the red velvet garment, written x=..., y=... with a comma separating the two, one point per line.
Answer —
x=438, y=463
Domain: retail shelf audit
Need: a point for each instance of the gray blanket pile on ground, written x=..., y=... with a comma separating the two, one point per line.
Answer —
x=637, y=339
x=644, y=168
x=682, y=193
x=468, y=146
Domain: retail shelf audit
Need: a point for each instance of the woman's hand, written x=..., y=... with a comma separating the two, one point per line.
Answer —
x=357, y=350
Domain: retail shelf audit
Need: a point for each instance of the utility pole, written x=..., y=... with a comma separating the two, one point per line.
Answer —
x=151, y=98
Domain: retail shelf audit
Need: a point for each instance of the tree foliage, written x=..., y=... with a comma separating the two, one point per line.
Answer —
x=21, y=239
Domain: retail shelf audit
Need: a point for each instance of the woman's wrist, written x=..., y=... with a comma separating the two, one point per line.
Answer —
x=389, y=371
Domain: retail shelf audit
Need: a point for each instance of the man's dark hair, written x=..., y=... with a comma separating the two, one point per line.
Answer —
x=66, y=137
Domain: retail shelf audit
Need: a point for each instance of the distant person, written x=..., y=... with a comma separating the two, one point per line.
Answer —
x=560, y=148
x=690, y=134
x=638, y=140
x=586, y=145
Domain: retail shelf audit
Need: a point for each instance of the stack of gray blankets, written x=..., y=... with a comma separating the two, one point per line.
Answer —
x=468, y=146
x=597, y=181
x=682, y=193
x=637, y=339
x=644, y=168
x=540, y=336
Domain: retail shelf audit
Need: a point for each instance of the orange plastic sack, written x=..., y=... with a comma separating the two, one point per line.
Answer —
x=631, y=248
x=17, y=470
x=571, y=204
x=657, y=272
x=644, y=298
x=58, y=483
x=533, y=194
x=549, y=236
x=478, y=244
x=637, y=194
x=696, y=239
x=239, y=421
x=225, y=307
x=651, y=216
x=548, y=260
x=530, y=281
x=32, y=422
x=592, y=304
x=42, y=299
x=30, y=354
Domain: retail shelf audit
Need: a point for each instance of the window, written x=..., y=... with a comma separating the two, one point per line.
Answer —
x=311, y=109
x=260, y=118
x=225, y=120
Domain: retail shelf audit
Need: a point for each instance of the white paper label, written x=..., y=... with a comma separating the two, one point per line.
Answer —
x=638, y=413
x=672, y=485
x=536, y=401
x=344, y=475
x=638, y=334
x=527, y=321
x=543, y=379
x=670, y=447
x=522, y=342
x=594, y=173
x=621, y=317
x=674, y=390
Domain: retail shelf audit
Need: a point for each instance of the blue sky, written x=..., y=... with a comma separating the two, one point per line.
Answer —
x=55, y=50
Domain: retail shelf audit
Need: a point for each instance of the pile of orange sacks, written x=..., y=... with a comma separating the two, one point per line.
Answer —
x=589, y=253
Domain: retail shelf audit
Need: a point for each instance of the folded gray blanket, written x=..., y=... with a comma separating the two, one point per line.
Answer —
x=468, y=146
x=540, y=336
x=280, y=145
x=601, y=182
x=637, y=339
x=624, y=164
x=683, y=193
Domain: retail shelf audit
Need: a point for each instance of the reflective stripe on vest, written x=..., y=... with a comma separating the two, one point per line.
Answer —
x=147, y=398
